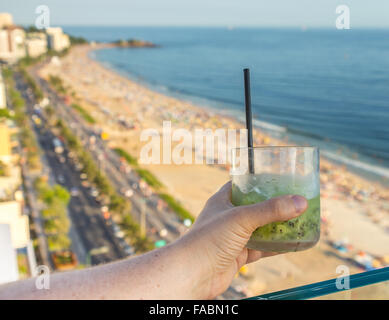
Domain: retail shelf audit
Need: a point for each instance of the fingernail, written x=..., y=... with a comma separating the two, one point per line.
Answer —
x=300, y=203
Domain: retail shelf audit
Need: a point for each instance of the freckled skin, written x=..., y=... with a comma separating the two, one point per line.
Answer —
x=199, y=265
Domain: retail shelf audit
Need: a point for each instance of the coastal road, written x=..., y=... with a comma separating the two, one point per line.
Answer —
x=156, y=220
x=84, y=211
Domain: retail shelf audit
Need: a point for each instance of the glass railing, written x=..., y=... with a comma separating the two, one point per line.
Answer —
x=366, y=285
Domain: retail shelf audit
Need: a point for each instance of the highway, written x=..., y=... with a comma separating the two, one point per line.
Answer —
x=84, y=211
x=156, y=219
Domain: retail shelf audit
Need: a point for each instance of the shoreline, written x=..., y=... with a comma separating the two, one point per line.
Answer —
x=364, y=168
x=259, y=134
x=351, y=207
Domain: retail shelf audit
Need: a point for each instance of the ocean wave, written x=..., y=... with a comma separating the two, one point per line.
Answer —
x=257, y=123
x=380, y=171
x=269, y=126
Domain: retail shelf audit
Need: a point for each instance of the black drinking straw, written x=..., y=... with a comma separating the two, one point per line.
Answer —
x=249, y=118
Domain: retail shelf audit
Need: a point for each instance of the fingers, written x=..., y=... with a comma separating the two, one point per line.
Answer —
x=218, y=203
x=254, y=255
x=222, y=197
x=277, y=209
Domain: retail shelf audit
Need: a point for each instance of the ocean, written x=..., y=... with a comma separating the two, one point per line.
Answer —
x=323, y=87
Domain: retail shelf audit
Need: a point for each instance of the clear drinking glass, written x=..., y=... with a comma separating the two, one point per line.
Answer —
x=277, y=171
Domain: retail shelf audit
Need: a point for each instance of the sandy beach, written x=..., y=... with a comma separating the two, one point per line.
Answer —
x=355, y=211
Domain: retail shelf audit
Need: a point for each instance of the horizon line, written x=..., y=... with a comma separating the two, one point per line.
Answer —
x=302, y=27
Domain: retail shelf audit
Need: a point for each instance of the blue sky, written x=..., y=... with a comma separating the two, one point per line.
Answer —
x=270, y=13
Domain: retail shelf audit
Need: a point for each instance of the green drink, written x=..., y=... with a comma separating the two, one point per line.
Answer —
x=282, y=171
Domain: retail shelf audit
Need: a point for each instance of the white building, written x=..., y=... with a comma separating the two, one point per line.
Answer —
x=36, y=44
x=8, y=262
x=14, y=223
x=11, y=214
x=56, y=39
x=5, y=20
x=12, y=44
x=14, y=239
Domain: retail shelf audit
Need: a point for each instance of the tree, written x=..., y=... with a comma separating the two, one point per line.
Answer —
x=31, y=28
x=61, y=194
x=119, y=204
x=59, y=242
x=143, y=244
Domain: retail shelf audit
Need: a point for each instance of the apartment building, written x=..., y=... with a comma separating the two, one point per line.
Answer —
x=8, y=263
x=56, y=39
x=36, y=44
x=5, y=20
x=12, y=44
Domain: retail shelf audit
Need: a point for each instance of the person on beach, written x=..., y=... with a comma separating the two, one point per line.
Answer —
x=199, y=265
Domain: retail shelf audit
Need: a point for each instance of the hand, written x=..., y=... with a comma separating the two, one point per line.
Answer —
x=216, y=242
x=200, y=265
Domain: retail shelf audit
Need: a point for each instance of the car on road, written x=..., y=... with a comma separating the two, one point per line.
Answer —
x=36, y=120
x=93, y=192
x=127, y=169
x=83, y=176
x=58, y=147
x=148, y=192
x=74, y=192
x=85, y=184
x=61, y=179
x=61, y=159
x=129, y=250
x=163, y=233
x=118, y=233
x=128, y=193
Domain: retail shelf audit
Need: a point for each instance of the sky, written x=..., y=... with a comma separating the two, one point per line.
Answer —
x=263, y=13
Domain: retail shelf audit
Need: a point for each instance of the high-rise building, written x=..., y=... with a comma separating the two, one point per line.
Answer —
x=12, y=43
x=36, y=44
x=11, y=213
x=14, y=221
x=5, y=20
x=8, y=263
x=56, y=39
x=14, y=231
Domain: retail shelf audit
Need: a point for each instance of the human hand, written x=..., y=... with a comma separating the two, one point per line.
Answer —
x=216, y=242
x=200, y=265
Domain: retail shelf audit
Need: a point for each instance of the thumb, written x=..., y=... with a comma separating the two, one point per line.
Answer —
x=281, y=208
